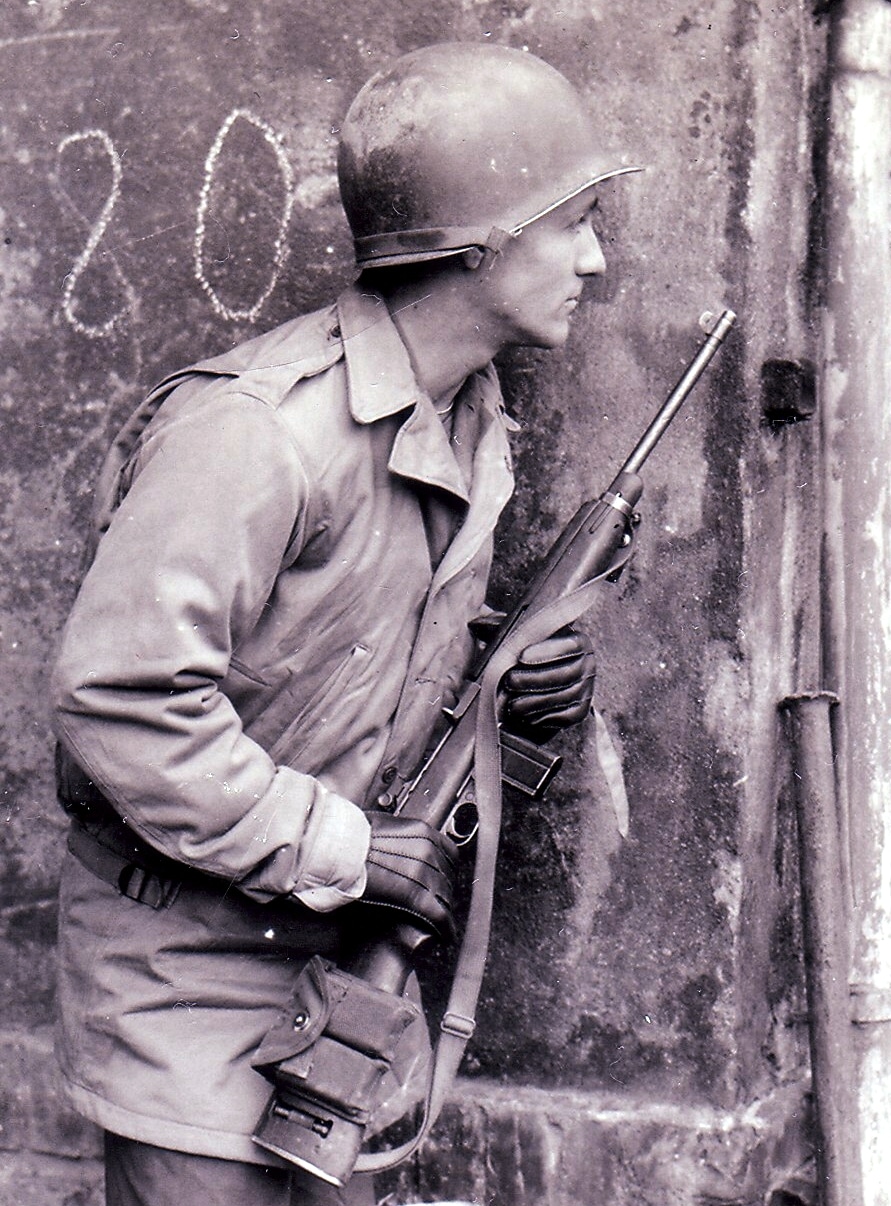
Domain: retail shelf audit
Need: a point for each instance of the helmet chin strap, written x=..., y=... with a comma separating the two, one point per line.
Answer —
x=430, y=243
x=478, y=245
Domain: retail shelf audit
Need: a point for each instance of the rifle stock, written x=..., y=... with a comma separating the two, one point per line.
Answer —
x=308, y=1122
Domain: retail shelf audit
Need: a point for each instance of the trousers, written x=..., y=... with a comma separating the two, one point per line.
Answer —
x=137, y=1174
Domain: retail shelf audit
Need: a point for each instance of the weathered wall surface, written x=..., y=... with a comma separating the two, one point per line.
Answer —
x=168, y=189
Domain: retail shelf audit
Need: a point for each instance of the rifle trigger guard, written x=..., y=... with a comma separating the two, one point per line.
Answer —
x=462, y=823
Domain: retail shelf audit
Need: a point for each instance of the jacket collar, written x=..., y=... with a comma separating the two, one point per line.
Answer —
x=380, y=377
x=381, y=383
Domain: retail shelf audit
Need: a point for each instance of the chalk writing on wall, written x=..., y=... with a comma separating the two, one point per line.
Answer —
x=252, y=311
x=97, y=230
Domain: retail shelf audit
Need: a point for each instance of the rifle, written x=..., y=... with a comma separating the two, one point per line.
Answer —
x=337, y=1037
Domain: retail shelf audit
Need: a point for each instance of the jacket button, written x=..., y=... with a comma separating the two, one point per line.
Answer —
x=388, y=775
x=301, y=1021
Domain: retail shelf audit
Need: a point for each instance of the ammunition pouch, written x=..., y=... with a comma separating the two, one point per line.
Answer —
x=326, y=1057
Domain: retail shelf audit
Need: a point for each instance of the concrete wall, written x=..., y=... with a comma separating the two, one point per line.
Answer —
x=168, y=190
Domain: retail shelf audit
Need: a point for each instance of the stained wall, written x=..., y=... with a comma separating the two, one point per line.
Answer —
x=167, y=190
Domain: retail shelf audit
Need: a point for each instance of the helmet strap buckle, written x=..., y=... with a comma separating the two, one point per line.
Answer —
x=484, y=255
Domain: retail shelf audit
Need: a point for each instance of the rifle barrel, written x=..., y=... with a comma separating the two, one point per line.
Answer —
x=678, y=395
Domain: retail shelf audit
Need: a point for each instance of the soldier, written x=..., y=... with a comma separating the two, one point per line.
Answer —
x=290, y=542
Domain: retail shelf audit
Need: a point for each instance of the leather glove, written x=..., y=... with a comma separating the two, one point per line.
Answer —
x=411, y=867
x=551, y=686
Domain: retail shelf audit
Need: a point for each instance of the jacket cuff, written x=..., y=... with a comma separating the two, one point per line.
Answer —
x=332, y=871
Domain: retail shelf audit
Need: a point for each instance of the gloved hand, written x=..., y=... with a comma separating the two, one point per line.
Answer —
x=411, y=867
x=551, y=686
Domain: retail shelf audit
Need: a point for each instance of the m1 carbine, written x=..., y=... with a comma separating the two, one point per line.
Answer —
x=336, y=1039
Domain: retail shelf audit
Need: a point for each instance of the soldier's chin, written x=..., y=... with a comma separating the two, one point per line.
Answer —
x=557, y=337
x=554, y=335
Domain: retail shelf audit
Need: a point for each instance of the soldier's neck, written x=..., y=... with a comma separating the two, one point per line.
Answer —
x=442, y=333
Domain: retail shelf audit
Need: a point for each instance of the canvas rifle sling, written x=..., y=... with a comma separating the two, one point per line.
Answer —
x=458, y=1021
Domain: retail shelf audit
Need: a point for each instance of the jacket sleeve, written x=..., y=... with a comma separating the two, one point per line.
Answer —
x=184, y=570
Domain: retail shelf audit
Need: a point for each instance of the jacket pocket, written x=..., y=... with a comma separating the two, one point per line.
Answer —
x=253, y=692
x=323, y=708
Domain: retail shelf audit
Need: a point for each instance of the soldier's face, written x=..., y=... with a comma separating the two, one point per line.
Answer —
x=534, y=284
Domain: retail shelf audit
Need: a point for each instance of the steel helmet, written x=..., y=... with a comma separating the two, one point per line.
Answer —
x=462, y=145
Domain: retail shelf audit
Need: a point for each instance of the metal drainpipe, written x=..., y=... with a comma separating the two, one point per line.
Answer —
x=856, y=378
x=827, y=957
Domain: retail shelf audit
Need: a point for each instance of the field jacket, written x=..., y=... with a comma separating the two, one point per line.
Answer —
x=289, y=548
